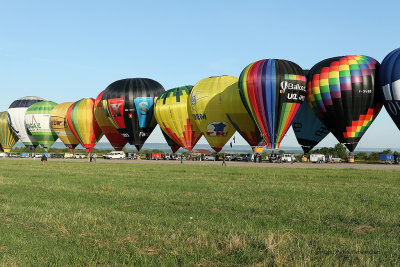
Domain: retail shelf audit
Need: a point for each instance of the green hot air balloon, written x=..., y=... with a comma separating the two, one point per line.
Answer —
x=7, y=137
x=37, y=121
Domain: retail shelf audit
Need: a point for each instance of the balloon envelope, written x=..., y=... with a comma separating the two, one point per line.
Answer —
x=37, y=121
x=342, y=91
x=308, y=129
x=272, y=91
x=16, y=115
x=207, y=110
x=172, y=114
x=114, y=137
x=82, y=122
x=59, y=124
x=7, y=137
x=240, y=118
x=129, y=104
x=390, y=85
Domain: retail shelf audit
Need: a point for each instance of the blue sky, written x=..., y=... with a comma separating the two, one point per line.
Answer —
x=67, y=50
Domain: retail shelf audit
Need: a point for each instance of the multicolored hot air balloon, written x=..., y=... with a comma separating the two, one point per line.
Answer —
x=308, y=129
x=37, y=121
x=171, y=143
x=83, y=124
x=272, y=90
x=343, y=92
x=129, y=104
x=172, y=114
x=207, y=110
x=59, y=124
x=390, y=84
x=114, y=137
x=241, y=120
x=7, y=137
x=16, y=115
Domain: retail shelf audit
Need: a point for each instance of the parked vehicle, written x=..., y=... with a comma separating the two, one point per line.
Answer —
x=114, y=155
x=243, y=157
x=288, y=158
x=68, y=156
x=131, y=156
x=230, y=157
x=317, y=158
x=24, y=155
x=334, y=159
x=386, y=158
x=3, y=155
x=170, y=156
x=79, y=156
x=209, y=157
x=275, y=158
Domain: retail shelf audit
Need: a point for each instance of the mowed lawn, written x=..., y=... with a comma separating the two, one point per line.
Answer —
x=81, y=213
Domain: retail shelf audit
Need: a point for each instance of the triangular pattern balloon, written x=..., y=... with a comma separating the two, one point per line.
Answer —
x=7, y=137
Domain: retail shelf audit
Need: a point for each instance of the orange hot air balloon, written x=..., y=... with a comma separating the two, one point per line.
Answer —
x=112, y=134
x=83, y=124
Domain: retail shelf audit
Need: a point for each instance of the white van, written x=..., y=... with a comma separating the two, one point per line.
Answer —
x=114, y=155
x=287, y=158
x=317, y=158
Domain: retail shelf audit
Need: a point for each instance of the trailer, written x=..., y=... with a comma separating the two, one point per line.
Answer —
x=386, y=158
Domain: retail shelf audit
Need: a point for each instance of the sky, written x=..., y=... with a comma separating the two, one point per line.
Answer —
x=67, y=50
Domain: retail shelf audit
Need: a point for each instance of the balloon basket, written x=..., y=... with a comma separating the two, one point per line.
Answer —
x=304, y=159
x=351, y=160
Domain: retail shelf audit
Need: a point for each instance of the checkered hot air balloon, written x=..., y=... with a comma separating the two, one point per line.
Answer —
x=343, y=92
x=272, y=90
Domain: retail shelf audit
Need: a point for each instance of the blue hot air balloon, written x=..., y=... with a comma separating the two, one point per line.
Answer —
x=390, y=84
x=307, y=127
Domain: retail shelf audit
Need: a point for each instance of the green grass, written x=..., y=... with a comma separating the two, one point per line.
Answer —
x=77, y=213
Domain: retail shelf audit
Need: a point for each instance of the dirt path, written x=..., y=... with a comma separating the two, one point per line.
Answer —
x=298, y=165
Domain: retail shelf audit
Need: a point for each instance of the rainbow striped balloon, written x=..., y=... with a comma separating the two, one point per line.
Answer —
x=83, y=124
x=7, y=137
x=272, y=91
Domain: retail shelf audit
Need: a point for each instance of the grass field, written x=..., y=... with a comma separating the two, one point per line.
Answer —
x=78, y=213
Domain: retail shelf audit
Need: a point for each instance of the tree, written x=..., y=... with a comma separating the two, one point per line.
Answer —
x=340, y=151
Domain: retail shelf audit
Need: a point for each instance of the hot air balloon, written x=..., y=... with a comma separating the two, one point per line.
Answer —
x=129, y=104
x=171, y=143
x=59, y=124
x=207, y=110
x=342, y=91
x=7, y=137
x=272, y=90
x=82, y=122
x=390, y=84
x=172, y=114
x=16, y=115
x=241, y=120
x=114, y=137
x=307, y=127
x=37, y=121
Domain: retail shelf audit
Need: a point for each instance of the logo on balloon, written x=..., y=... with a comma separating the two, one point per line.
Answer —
x=116, y=108
x=217, y=128
x=285, y=85
x=144, y=108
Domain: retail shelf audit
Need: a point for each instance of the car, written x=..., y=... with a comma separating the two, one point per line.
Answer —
x=230, y=157
x=68, y=156
x=3, y=155
x=335, y=159
x=275, y=158
x=288, y=158
x=114, y=155
x=209, y=157
x=79, y=156
x=131, y=156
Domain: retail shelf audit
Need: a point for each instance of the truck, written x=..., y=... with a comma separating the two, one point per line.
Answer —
x=386, y=158
x=317, y=158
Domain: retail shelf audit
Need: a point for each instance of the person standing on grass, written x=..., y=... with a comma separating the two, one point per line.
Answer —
x=43, y=159
x=94, y=157
x=223, y=161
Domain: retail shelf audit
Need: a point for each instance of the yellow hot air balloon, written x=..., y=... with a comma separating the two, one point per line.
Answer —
x=58, y=121
x=207, y=110
x=240, y=118
x=7, y=137
x=172, y=114
x=83, y=124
